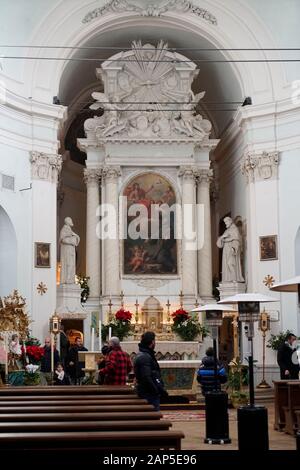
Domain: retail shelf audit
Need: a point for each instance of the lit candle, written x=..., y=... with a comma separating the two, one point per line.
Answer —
x=109, y=332
x=100, y=335
x=92, y=339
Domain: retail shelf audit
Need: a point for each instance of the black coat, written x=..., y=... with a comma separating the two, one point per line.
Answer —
x=285, y=355
x=206, y=375
x=75, y=371
x=46, y=359
x=147, y=373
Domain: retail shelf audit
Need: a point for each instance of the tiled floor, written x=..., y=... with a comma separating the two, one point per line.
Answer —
x=194, y=430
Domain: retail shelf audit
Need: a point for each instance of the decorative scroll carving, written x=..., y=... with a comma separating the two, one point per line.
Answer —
x=153, y=9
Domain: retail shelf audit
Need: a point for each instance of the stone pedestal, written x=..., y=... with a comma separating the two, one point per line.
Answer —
x=227, y=289
x=69, y=299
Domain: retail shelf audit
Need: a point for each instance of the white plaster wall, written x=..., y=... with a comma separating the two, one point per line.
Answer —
x=8, y=254
x=17, y=204
x=289, y=223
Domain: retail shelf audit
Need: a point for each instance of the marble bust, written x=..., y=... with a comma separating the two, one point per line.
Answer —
x=230, y=241
x=68, y=241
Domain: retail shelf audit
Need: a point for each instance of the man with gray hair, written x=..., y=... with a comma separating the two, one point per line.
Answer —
x=118, y=364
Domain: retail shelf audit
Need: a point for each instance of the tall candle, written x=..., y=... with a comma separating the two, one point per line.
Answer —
x=92, y=339
x=109, y=332
x=52, y=354
x=6, y=355
x=100, y=335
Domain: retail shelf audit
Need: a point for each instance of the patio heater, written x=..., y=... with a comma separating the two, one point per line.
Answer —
x=216, y=402
x=252, y=420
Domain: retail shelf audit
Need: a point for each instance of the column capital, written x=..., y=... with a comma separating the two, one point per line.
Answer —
x=111, y=172
x=259, y=166
x=187, y=173
x=45, y=167
x=204, y=175
x=92, y=176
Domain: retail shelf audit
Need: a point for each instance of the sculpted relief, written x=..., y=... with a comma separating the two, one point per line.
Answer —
x=148, y=95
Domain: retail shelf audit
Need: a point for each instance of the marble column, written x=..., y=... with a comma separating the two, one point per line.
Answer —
x=93, y=270
x=111, y=252
x=189, y=242
x=205, y=253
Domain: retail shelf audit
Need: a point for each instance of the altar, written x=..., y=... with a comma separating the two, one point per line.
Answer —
x=170, y=351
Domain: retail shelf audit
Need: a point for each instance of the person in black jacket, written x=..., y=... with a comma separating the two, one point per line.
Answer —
x=46, y=376
x=206, y=373
x=60, y=377
x=74, y=366
x=147, y=372
x=287, y=358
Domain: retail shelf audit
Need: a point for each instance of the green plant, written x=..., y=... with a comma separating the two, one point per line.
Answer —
x=238, y=378
x=83, y=282
x=120, y=325
x=187, y=326
x=276, y=341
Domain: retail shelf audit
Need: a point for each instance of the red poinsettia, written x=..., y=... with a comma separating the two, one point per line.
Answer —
x=180, y=315
x=123, y=315
x=34, y=353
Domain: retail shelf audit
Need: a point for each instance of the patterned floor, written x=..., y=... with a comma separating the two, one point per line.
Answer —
x=190, y=416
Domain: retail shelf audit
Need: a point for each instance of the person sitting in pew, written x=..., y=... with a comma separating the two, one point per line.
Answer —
x=60, y=377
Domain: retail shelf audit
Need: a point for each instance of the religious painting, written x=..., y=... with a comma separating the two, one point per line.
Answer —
x=42, y=255
x=268, y=248
x=150, y=245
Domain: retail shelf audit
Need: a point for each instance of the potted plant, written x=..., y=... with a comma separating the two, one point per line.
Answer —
x=187, y=326
x=276, y=341
x=120, y=325
x=237, y=379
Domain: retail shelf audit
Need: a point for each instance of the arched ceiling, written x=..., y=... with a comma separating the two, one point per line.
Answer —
x=219, y=80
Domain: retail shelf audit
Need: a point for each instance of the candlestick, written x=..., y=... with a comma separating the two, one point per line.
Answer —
x=110, y=304
x=136, y=311
x=93, y=339
x=109, y=332
x=100, y=335
x=181, y=299
x=122, y=299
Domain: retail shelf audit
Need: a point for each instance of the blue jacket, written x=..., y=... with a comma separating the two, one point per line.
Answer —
x=206, y=375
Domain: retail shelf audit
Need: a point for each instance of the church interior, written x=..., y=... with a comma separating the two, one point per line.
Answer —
x=149, y=182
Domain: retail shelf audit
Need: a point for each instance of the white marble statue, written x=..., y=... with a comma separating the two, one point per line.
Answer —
x=68, y=241
x=230, y=241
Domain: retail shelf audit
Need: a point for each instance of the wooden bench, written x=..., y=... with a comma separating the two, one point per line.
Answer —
x=68, y=390
x=103, y=416
x=117, y=425
x=85, y=442
x=74, y=402
x=71, y=408
x=280, y=400
x=4, y=399
x=292, y=406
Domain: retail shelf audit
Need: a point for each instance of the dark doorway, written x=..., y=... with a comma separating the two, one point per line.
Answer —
x=72, y=329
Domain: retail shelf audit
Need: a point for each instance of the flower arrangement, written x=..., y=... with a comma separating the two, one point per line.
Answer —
x=187, y=326
x=120, y=325
x=31, y=376
x=33, y=351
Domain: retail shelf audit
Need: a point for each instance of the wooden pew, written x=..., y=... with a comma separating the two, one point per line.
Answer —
x=71, y=408
x=79, y=426
x=74, y=402
x=16, y=398
x=103, y=416
x=68, y=390
x=293, y=405
x=280, y=400
x=85, y=442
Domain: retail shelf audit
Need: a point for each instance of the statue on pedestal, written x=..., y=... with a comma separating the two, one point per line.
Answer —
x=68, y=241
x=230, y=241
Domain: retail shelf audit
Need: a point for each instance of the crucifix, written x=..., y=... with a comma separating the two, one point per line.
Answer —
x=122, y=299
x=181, y=299
x=168, y=305
x=136, y=311
x=109, y=310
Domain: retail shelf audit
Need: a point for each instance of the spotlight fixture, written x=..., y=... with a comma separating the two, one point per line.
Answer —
x=247, y=101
